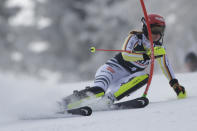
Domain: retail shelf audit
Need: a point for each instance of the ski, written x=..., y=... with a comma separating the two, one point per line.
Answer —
x=132, y=104
x=83, y=111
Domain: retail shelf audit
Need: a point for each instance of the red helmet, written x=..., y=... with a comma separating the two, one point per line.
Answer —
x=155, y=19
x=157, y=24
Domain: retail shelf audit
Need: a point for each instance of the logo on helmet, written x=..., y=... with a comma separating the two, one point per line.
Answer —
x=160, y=19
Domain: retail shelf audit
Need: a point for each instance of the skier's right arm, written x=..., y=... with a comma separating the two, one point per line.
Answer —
x=130, y=42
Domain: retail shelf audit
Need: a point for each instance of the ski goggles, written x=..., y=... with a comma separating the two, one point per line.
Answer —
x=158, y=29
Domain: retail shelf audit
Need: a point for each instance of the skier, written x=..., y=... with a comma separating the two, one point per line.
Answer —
x=125, y=73
x=191, y=62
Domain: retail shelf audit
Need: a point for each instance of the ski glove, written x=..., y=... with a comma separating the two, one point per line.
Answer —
x=158, y=51
x=180, y=90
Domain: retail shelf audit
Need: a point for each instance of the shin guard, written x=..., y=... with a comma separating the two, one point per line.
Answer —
x=131, y=86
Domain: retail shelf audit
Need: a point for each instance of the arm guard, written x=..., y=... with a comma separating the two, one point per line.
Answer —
x=129, y=44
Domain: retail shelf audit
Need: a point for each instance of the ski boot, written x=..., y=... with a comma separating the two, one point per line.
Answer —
x=78, y=97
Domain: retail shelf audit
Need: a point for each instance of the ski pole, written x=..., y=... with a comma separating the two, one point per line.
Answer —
x=152, y=48
x=93, y=50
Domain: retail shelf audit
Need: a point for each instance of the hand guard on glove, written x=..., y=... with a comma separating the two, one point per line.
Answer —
x=159, y=51
x=180, y=90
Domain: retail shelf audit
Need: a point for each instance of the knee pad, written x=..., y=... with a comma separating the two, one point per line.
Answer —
x=131, y=86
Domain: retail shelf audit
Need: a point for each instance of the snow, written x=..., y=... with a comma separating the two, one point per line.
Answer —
x=24, y=97
x=16, y=56
x=26, y=15
x=44, y=22
x=39, y=46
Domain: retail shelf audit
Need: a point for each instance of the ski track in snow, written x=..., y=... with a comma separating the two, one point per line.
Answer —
x=27, y=104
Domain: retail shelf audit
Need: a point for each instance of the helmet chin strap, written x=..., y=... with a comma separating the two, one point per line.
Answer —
x=159, y=38
x=158, y=41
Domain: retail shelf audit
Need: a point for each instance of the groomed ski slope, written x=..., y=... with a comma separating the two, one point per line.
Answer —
x=23, y=100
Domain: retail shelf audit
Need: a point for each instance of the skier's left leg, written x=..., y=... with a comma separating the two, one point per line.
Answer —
x=129, y=85
x=105, y=75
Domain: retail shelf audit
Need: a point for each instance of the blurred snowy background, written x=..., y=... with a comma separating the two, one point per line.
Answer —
x=52, y=37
